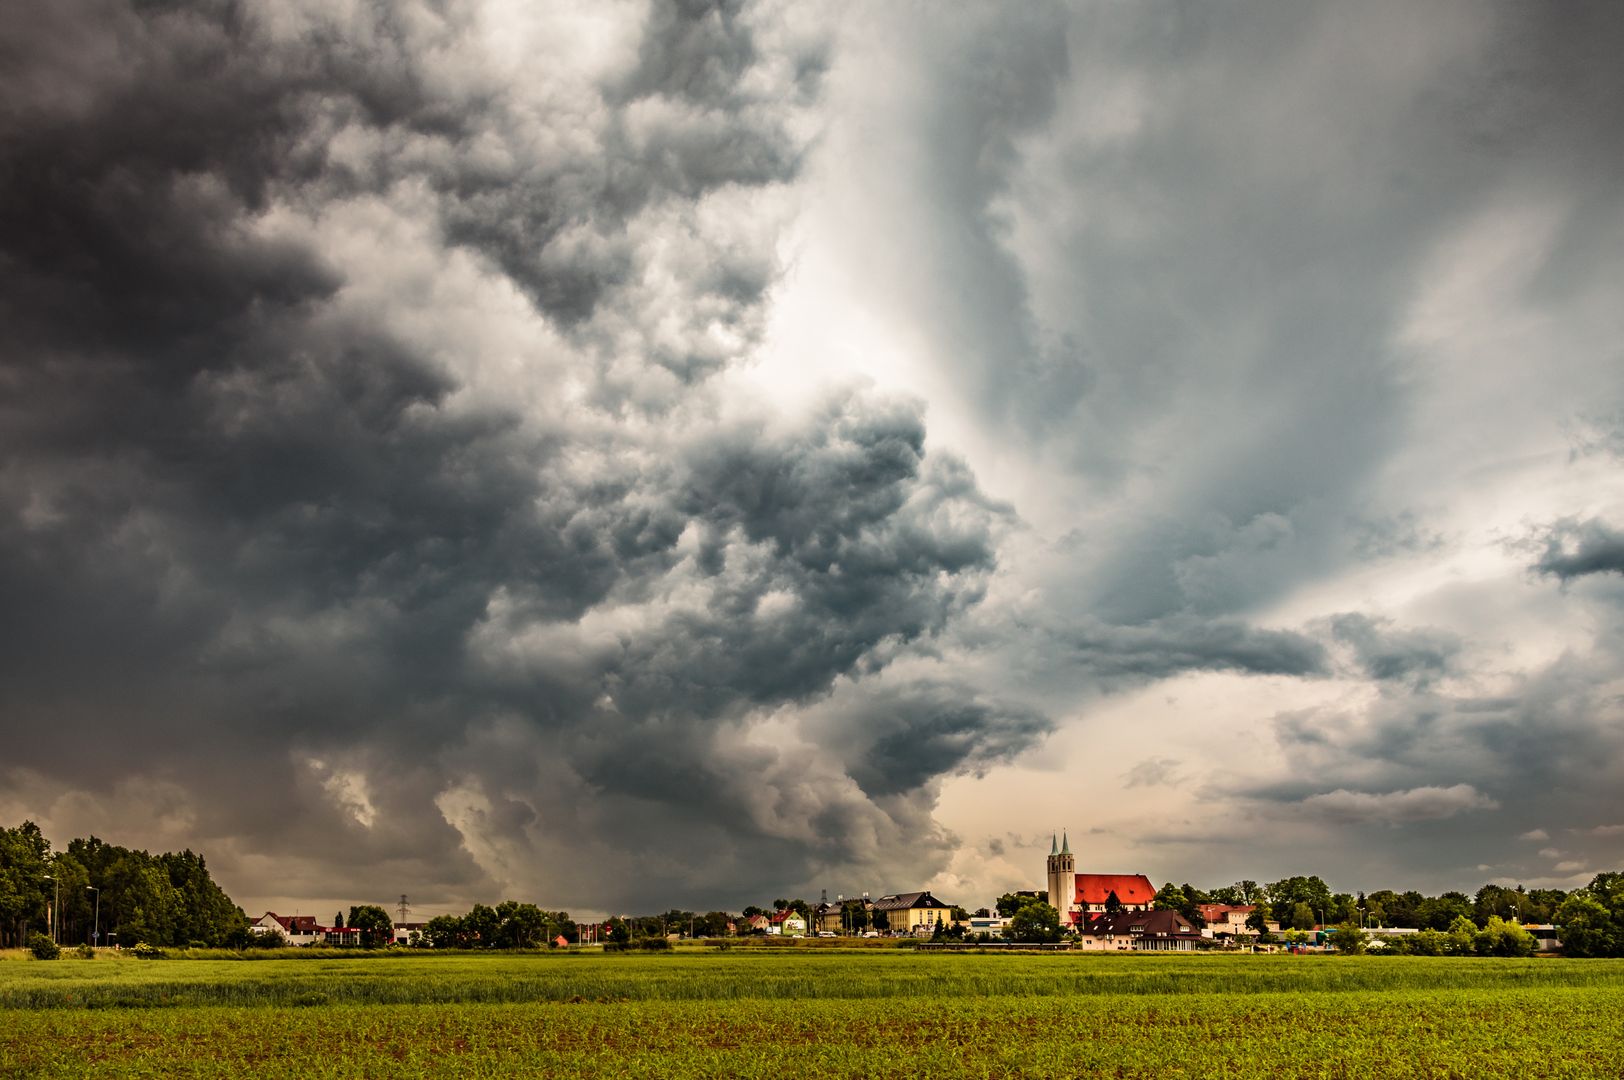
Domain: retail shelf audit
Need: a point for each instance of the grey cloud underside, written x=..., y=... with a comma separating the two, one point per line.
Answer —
x=1385, y=653
x=1575, y=549
x=255, y=537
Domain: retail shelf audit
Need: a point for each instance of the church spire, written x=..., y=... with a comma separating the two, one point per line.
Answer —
x=1065, y=844
x=1053, y=848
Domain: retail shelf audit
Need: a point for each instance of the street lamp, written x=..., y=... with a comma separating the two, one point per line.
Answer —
x=95, y=935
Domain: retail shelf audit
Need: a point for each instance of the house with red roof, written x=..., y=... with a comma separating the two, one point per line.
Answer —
x=295, y=929
x=1076, y=895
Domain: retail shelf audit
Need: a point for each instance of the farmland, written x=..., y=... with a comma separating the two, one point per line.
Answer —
x=771, y=1013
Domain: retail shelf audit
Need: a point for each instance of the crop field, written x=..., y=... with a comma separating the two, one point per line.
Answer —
x=817, y=1013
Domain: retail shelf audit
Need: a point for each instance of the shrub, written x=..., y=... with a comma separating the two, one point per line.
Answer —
x=654, y=944
x=85, y=952
x=1348, y=939
x=143, y=951
x=43, y=947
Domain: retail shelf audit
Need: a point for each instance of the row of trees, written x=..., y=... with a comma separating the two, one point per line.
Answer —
x=508, y=925
x=1301, y=903
x=166, y=899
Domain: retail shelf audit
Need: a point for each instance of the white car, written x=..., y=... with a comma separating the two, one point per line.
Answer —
x=826, y=933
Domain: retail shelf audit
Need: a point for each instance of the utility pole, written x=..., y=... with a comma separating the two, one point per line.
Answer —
x=95, y=936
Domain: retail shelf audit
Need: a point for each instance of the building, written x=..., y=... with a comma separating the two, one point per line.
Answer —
x=788, y=923
x=295, y=929
x=1227, y=919
x=1137, y=931
x=1546, y=938
x=409, y=933
x=1074, y=895
x=991, y=925
x=907, y=913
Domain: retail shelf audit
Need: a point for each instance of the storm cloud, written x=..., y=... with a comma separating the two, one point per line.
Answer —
x=689, y=452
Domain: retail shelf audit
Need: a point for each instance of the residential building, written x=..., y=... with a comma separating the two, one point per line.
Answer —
x=906, y=913
x=1229, y=920
x=788, y=923
x=1137, y=931
x=295, y=929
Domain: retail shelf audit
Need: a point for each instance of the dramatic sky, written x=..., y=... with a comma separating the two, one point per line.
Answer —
x=652, y=452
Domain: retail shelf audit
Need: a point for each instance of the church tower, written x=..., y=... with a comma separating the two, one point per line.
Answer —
x=1062, y=878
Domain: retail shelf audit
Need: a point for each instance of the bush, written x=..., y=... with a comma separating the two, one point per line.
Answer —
x=654, y=944
x=85, y=952
x=143, y=951
x=43, y=947
x=1348, y=939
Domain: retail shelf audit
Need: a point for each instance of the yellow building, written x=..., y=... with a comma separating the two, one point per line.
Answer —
x=907, y=912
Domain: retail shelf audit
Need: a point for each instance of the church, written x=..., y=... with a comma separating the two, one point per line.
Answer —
x=1077, y=896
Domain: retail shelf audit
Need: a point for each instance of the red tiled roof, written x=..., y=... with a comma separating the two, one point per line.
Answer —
x=1215, y=912
x=1129, y=888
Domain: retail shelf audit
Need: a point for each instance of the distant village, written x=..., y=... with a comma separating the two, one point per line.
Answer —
x=1098, y=912
x=95, y=894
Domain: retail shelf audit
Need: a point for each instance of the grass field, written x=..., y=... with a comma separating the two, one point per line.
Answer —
x=822, y=1013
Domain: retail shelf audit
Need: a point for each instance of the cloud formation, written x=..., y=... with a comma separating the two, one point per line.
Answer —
x=1398, y=807
x=704, y=450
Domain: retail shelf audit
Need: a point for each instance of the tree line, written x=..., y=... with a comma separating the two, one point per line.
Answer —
x=1302, y=903
x=166, y=899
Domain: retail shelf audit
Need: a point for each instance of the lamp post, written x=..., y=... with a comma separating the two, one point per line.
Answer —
x=95, y=935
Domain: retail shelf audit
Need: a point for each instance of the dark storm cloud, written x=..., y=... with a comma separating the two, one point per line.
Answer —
x=261, y=539
x=899, y=739
x=1576, y=549
x=1181, y=643
x=1387, y=654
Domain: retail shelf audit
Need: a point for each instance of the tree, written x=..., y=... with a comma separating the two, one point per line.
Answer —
x=338, y=921
x=1258, y=920
x=1348, y=938
x=1113, y=903
x=1034, y=922
x=1302, y=917
x=1287, y=893
x=1426, y=943
x=444, y=932
x=374, y=923
x=1011, y=902
x=479, y=927
x=1592, y=918
x=1462, y=934
x=616, y=931
x=1501, y=938
x=1440, y=912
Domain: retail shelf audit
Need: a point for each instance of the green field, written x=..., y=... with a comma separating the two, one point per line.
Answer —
x=768, y=1013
